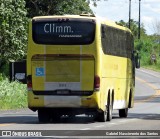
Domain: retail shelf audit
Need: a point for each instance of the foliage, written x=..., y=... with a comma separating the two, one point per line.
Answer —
x=147, y=46
x=13, y=95
x=94, y=2
x=13, y=26
x=133, y=27
x=56, y=7
x=4, y=70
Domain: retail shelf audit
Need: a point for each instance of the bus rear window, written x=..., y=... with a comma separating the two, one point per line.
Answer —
x=63, y=32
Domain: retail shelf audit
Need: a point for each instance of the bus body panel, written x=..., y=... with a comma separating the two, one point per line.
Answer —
x=63, y=72
x=114, y=78
x=46, y=101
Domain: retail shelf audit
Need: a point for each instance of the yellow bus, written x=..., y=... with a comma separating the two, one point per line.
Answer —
x=79, y=64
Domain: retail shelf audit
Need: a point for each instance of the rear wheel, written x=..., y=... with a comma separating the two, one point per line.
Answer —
x=109, y=108
x=130, y=100
x=102, y=116
x=107, y=114
x=44, y=116
x=109, y=111
x=123, y=113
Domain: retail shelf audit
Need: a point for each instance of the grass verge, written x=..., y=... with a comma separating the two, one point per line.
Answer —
x=12, y=95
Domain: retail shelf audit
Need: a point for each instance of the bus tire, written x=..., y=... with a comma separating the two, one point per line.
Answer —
x=130, y=100
x=43, y=116
x=109, y=108
x=123, y=113
x=102, y=116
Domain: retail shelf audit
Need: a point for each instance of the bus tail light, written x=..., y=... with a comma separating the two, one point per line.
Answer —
x=96, y=83
x=29, y=83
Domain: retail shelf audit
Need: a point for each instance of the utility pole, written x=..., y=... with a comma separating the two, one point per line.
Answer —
x=129, y=26
x=139, y=25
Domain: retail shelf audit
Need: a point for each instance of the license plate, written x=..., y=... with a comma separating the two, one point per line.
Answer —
x=63, y=92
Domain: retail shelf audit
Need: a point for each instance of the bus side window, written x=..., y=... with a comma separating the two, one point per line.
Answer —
x=103, y=31
x=137, y=61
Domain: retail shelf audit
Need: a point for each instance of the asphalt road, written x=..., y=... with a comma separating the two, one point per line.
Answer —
x=144, y=116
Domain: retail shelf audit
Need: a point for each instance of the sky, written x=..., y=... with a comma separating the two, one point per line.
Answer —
x=117, y=10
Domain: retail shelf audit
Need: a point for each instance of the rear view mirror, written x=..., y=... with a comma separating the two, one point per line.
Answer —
x=137, y=61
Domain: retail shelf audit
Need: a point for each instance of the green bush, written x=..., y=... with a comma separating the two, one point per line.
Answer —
x=12, y=95
x=5, y=70
x=146, y=47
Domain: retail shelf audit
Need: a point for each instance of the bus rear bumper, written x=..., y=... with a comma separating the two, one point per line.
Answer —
x=57, y=102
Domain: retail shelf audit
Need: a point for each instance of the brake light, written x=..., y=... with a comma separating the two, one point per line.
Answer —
x=96, y=82
x=29, y=83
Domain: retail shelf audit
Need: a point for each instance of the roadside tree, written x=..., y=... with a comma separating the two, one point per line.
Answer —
x=13, y=34
x=56, y=7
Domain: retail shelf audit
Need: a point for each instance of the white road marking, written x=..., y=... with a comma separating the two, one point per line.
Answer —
x=86, y=129
x=123, y=121
x=112, y=123
x=99, y=126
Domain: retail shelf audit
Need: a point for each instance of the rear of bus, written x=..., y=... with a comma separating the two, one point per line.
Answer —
x=62, y=65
